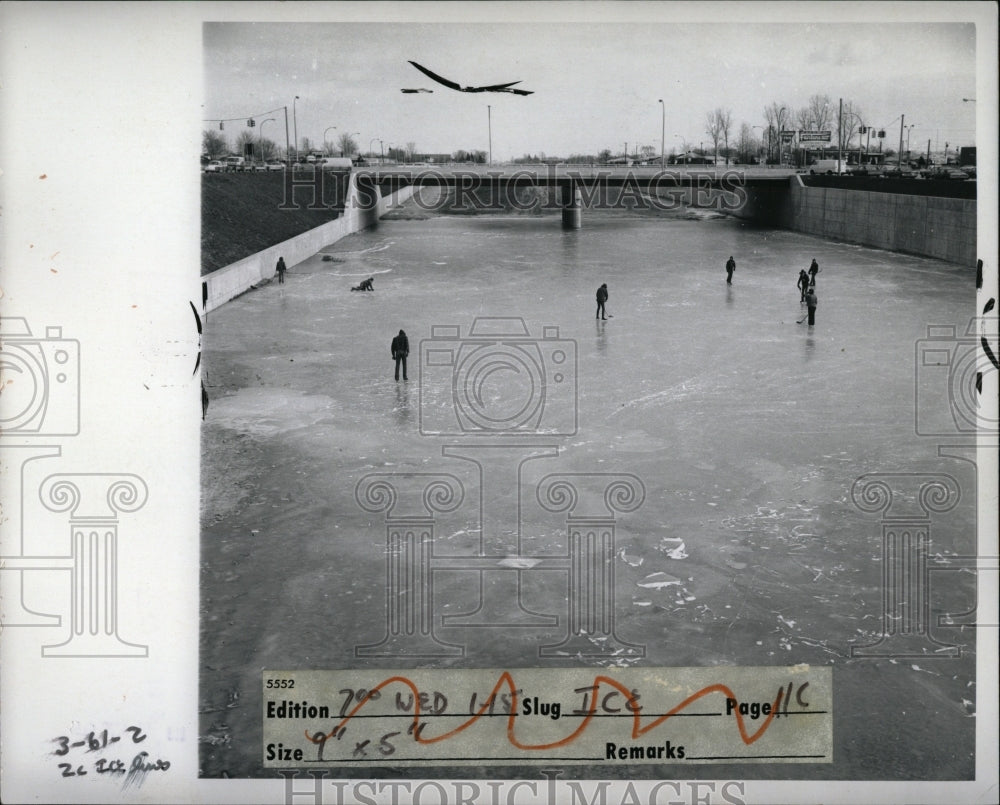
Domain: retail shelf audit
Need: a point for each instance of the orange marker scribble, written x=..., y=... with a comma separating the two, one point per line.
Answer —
x=43, y=176
x=506, y=679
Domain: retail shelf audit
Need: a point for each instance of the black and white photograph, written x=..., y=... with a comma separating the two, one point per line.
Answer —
x=544, y=402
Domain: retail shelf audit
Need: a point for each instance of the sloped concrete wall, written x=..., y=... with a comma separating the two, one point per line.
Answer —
x=931, y=226
x=230, y=281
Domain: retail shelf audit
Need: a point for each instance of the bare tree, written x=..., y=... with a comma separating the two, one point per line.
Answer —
x=776, y=116
x=747, y=145
x=214, y=144
x=719, y=124
x=411, y=149
x=246, y=144
x=725, y=117
x=348, y=147
x=307, y=145
x=268, y=149
x=850, y=120
x=820, y=112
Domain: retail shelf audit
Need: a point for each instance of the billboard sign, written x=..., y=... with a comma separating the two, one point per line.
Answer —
x=815, y=136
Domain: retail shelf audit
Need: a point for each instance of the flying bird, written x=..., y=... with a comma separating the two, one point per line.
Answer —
x=412, y=91
x=508, y=87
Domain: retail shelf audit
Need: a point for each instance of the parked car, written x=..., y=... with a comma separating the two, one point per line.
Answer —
x=895, y=172
x=275, y=165
x=829, y=166
x=214, y=166
x=946, y=172
x=336, y=163
x=235, y=164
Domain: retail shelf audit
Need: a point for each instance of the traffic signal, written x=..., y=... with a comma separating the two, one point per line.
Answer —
x=222, y=125
x=251, y=123
x=881, y=134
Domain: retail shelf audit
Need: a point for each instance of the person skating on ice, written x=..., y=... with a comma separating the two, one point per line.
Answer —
x=811, y=302
x=730, y=268
x=400, y=349
x=602, y=297
x=803, y=284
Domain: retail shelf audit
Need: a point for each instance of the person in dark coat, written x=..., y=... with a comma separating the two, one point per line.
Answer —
x=400, y=349
x=730, y=268
x=280, y=268
x=813, y=271
x=365, y=286
x=811, y=302
x=602, y=297
x=803, y=284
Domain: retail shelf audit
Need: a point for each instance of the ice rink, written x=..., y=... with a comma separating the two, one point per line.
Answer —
x=745, y=429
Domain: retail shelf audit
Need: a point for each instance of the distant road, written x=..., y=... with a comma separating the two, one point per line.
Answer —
x=578, y=169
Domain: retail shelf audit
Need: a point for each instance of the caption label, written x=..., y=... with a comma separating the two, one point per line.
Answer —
x=418, y=717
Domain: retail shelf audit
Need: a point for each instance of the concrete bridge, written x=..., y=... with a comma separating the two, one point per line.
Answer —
x=576, y=187
x=572, y=187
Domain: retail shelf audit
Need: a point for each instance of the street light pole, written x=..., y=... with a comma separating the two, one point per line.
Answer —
x=295, y=123
x=287, y=157
x=324, y=136
x=489, y=126
x=663, y=129
x=261, y=131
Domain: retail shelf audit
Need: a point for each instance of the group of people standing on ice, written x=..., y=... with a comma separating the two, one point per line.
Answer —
x=807, y=288
x=806, y=285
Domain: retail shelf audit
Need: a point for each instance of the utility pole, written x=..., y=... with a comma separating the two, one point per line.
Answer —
x=899, y=155
x=489, y=124
x=840, y=136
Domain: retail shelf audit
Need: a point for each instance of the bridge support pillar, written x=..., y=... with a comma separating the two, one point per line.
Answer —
x=569, y=200
x=362, y=200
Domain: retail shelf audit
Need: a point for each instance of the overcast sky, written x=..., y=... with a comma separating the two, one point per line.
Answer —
x=596, y=85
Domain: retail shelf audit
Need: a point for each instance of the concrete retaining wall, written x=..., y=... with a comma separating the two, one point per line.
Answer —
x=230, y=281
x=931, y=226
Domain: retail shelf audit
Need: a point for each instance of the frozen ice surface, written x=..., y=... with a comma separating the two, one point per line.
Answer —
x=746, y=429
